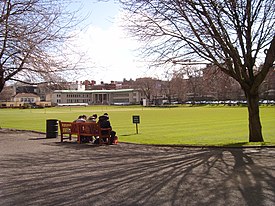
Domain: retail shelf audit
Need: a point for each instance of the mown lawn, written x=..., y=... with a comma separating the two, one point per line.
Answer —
x=179, y=125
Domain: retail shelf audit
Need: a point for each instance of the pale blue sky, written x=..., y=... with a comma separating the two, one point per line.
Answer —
x=109, y=52
x=101, y=13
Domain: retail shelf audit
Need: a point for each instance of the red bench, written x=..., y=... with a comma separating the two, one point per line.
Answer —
x=89, y=129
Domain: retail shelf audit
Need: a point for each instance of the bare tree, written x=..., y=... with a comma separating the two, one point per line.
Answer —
x=268, y=86
x=233, y=35
x=179, y=85
x=194, y=83
x=219, y=85
x=148, y=86
x=7, y=93
x=33, y=38
x=167, y=87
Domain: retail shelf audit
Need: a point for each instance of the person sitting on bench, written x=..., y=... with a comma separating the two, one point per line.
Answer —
x=105, y=123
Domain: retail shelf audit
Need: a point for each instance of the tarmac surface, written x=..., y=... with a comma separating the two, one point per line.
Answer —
x=35, y=170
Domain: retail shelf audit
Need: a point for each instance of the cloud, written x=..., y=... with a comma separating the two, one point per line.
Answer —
x=109, y=53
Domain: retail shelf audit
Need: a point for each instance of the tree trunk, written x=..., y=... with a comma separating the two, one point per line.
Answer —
x=2, y=80
x=255, y=127
x=1, y=85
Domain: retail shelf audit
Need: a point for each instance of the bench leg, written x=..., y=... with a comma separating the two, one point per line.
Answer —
x=78, y=139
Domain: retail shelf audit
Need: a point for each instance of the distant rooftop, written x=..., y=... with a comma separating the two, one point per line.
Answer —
x=94, y=91
x=26, y=95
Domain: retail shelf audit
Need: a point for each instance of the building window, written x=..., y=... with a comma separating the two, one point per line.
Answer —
x=121, y=95
x=121, y=100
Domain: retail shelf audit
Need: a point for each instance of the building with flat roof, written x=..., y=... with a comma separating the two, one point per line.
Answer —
x=97, y=97
x=25, y=100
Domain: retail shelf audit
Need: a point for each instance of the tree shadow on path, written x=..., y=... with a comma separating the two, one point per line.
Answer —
x=128, y=174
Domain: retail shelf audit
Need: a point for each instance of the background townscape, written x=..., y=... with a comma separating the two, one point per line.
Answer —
x=204, y=86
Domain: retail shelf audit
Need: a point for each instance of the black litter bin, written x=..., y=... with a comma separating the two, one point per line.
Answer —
x=52, y=128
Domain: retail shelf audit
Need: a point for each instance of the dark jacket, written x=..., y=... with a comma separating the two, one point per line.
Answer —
x=104, y=123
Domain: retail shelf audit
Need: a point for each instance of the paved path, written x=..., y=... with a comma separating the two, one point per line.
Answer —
x=39, y=171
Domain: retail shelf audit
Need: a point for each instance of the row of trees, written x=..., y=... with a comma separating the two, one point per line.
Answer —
x=207, y=84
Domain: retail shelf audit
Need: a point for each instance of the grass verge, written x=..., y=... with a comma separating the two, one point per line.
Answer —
x=202, y=126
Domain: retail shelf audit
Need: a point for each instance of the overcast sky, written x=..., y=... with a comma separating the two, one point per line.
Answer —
x=110, y=54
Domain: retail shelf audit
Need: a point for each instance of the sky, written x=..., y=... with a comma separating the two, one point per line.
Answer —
x=110, y=55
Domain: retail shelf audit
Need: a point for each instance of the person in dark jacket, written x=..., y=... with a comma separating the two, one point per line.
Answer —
x=105, y=123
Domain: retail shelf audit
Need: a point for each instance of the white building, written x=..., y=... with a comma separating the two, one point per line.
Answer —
x=26, y=98
x=91, y=97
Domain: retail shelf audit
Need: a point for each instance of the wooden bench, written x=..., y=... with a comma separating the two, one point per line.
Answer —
x=89, y=129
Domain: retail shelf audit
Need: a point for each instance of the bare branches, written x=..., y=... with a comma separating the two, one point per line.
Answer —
x=31, y=33
x=229, y=34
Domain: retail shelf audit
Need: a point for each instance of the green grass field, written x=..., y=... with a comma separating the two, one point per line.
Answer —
x=178, y=125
